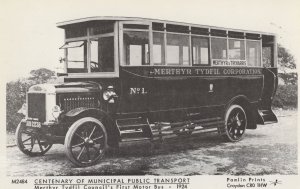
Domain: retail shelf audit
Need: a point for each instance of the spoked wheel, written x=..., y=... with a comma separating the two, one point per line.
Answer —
x=31, y=142
x=186, y=131
x=86, y=142
x=235, y=123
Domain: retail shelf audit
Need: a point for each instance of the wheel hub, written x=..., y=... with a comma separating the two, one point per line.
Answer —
x=88, y=141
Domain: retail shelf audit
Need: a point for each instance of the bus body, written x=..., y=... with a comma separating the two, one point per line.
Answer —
x=130, y=79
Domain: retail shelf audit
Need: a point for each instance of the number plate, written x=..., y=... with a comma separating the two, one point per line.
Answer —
x=35, y=124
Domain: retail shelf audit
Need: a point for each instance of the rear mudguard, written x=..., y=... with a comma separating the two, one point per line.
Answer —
x=249, y=107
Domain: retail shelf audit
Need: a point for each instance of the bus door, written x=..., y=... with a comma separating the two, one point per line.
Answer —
x=102, y=53
x=134, y=56
x=270, y=80
x=269, y=71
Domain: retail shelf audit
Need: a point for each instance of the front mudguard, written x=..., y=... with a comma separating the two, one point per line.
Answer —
x=109, y=124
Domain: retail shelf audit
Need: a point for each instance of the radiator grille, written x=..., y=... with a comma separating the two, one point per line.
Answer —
x=69, y=103
x=37, y=106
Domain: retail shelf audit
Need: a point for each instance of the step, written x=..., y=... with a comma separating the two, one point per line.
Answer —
x=265, y=112
x=132, y=127
x=130, y=119
x=135, y=139
x=268, y=116
x=131, y=123
x=133, y=134
x=270, y=122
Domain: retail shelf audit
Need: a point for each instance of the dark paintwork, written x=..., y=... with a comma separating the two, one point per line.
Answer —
x=170, y=93
x=185, y=92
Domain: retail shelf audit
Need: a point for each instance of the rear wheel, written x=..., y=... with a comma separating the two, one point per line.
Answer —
x=31, y=142
x=235, y=123
x=86, y=142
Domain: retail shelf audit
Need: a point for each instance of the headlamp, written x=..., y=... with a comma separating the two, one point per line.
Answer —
x=106, y=95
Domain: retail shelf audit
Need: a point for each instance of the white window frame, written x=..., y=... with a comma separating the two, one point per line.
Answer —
x=261, y=63
x=209, y=50
x=121, y=33
x=239, y=39
x=90, y=74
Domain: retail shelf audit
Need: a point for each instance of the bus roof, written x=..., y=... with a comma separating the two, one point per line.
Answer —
x=64, y=24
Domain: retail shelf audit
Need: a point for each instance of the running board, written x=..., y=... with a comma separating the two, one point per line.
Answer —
x=266, y=117
x=137, y=129
x=186, y=128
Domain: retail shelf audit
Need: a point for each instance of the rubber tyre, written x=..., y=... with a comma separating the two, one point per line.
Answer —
x=70, y=134
x=230, y=113
x=21, y=145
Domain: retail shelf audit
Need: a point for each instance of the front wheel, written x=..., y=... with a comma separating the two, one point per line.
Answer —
x=86, y=141
x=31, y=142
x=235, y=123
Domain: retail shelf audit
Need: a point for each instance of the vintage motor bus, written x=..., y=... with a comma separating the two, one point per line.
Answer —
x=132, y=79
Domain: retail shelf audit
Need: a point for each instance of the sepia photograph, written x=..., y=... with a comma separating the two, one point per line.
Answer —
x=173, y=91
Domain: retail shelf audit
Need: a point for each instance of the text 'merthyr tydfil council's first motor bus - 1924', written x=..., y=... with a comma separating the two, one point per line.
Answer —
x=132, y=79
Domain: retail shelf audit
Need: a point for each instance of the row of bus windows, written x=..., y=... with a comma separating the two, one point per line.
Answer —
x=136, y=49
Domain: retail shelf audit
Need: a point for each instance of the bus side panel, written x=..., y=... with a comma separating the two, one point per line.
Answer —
x=192, y=93
x=196, y=92
x=134, y=94
x=172, y=97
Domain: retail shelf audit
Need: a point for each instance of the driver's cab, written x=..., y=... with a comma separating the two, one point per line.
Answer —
x=91, y=48
x=95, y=47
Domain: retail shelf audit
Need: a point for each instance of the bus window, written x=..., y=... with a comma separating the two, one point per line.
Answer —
x=136, y=48
x=76, y=56
x=268, y=51
x=177, y=49
x=200, y=50
x=253, y=53
x=102, y=54
x=219, y=48
x=158, y=48
x=74, y=32
x=267, y=56
x=236, y=49
x=102, y=27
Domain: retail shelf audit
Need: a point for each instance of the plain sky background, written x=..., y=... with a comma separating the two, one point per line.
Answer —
x=29, y=38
